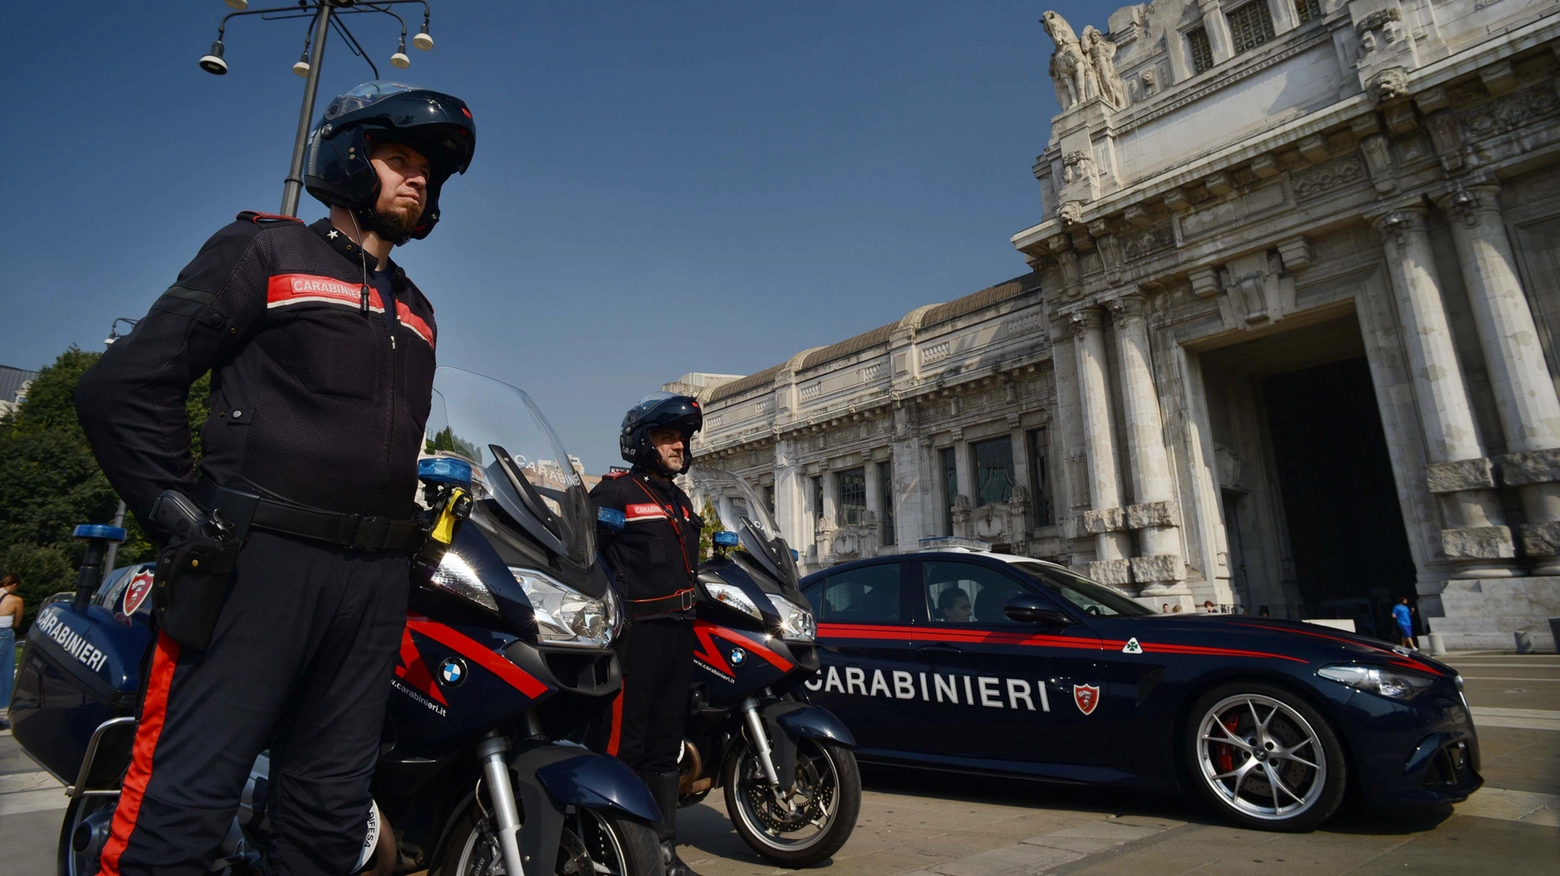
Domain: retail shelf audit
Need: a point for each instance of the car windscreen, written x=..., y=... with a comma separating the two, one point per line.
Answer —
x=1096, y=599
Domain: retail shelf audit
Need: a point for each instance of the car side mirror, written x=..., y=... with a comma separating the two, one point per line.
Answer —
x=1029, y=609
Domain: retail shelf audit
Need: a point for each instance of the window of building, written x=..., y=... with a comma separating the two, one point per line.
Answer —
x=950, y=473
x=886, y=491
x=1039, y=490
x=1202, y=53
x=1250, y=25
x=769, y=498
x=853, y=496
x=817, y=496
x=1309, y=10
x=993, y=470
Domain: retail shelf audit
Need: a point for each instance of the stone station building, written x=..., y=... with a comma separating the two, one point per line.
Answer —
x=1289, y=342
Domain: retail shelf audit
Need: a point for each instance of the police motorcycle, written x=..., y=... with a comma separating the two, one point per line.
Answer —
x=792, y=787
x=506, y=650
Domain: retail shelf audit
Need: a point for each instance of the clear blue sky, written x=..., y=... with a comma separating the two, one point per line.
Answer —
x=658, y=187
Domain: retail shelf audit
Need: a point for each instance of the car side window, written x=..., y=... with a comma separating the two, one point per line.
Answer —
x=869, y=594
x=966, y=593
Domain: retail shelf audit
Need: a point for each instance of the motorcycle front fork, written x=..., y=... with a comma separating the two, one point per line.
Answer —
x=493, y=752
x=761, y=747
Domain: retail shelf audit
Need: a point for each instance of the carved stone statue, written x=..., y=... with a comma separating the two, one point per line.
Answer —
x=1071, y=72
x=1102, y=53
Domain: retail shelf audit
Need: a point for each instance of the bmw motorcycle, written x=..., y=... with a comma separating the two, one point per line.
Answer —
x=506, y=650
x=792, y=787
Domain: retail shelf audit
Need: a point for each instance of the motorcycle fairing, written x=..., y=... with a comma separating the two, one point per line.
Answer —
x=552, y=777
x=787, y=722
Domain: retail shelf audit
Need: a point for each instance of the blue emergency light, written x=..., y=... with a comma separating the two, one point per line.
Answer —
x=611, y=518
x=100, y=530
x=726, y=539
x=444, y=470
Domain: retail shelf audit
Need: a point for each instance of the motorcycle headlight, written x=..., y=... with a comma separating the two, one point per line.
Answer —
x=455, y=575
x=1394, y=684
x=565, y=616
x=734, y=597
x=796, y=622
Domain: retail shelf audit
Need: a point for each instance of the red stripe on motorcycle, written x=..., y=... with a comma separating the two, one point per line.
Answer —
x=478, y=653
x=414, y=670
x=154, y=711
x=710, y=655
x=617, y=721
x=734, y=637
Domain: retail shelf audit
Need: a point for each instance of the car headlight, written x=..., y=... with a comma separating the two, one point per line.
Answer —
x=734, y=597
x=455, y=575
x=565, y=616
x=796, y=622
x=1390, y=683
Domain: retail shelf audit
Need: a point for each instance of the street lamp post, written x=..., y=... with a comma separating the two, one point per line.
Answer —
x=119, y=512
x=326, y=14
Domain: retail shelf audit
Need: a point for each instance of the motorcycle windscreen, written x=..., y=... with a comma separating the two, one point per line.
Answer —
x=741, y=510
x=518, y=464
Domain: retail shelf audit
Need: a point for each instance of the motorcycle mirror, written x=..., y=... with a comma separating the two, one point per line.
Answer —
x=726, y=539
x=611, y=518
x=1029, y=609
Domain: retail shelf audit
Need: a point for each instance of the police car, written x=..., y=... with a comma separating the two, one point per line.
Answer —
x=970, y=661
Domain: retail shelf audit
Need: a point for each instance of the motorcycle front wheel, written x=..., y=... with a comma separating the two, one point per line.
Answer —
x=809, y=823
x=595, y=843
x=84, y=833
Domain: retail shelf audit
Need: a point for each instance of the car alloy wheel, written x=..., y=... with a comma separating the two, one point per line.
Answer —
x=1265, y=758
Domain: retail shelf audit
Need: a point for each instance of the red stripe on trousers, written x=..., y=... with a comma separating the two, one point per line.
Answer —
x=153, y=712
x=617, y=722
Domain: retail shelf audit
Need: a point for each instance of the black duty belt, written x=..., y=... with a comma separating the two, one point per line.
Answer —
x=682, y=600
x=355, y=531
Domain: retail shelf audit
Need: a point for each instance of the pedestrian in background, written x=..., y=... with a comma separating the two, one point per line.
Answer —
x=10, y=622
x=1403, y=613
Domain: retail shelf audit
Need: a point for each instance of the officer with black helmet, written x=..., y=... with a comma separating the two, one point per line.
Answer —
x=321, y=353
x=652, y=558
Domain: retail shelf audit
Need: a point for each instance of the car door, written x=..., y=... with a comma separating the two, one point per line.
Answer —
x=866, y=654
x=999, y=689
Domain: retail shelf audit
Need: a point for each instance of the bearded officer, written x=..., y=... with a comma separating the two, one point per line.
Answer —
x=321, y=353
x=653, y=558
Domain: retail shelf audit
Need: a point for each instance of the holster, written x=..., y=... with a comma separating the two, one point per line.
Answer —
x=190, y=586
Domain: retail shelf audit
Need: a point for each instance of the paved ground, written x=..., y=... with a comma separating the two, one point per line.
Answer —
x=928, y=825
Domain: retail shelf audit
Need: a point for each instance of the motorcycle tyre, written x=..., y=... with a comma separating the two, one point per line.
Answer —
x=839, y=831
x=65, y=855
x=638, y=840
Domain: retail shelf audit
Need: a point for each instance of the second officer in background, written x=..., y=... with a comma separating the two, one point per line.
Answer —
x=652, y=559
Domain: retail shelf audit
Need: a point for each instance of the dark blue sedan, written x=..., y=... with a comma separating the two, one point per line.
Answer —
x=978, y=662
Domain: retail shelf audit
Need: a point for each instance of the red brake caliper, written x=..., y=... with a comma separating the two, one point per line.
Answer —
x=1223, y=752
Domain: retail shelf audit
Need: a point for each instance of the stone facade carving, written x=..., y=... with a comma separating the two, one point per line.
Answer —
x=1396, y=152
x=1071, y=70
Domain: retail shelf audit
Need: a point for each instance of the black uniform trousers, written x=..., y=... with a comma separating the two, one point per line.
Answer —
x=300, y=663
x=650, y=713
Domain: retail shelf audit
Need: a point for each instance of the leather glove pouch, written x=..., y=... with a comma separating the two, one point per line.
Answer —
x=190, y=587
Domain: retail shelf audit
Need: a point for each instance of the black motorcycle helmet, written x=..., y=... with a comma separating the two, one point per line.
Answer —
x=338, y=171
x=659, y=410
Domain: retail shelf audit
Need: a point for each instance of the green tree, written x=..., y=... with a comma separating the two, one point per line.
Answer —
x=50, y=481
x=711, y=519
x=44, y=570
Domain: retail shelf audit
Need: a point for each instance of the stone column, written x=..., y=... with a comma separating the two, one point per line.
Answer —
x=1158, y=564
x=1104, y=517
x=1519, y=377
x=1459, y=474
x=1220, y=43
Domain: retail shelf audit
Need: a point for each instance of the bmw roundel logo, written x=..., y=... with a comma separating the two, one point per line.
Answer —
x=452, y=671
x=737, y=656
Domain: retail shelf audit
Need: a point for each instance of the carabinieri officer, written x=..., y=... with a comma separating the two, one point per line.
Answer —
x=652, y=560
x=321, y=353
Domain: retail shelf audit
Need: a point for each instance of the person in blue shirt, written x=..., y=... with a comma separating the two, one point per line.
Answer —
x=1405, y=621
